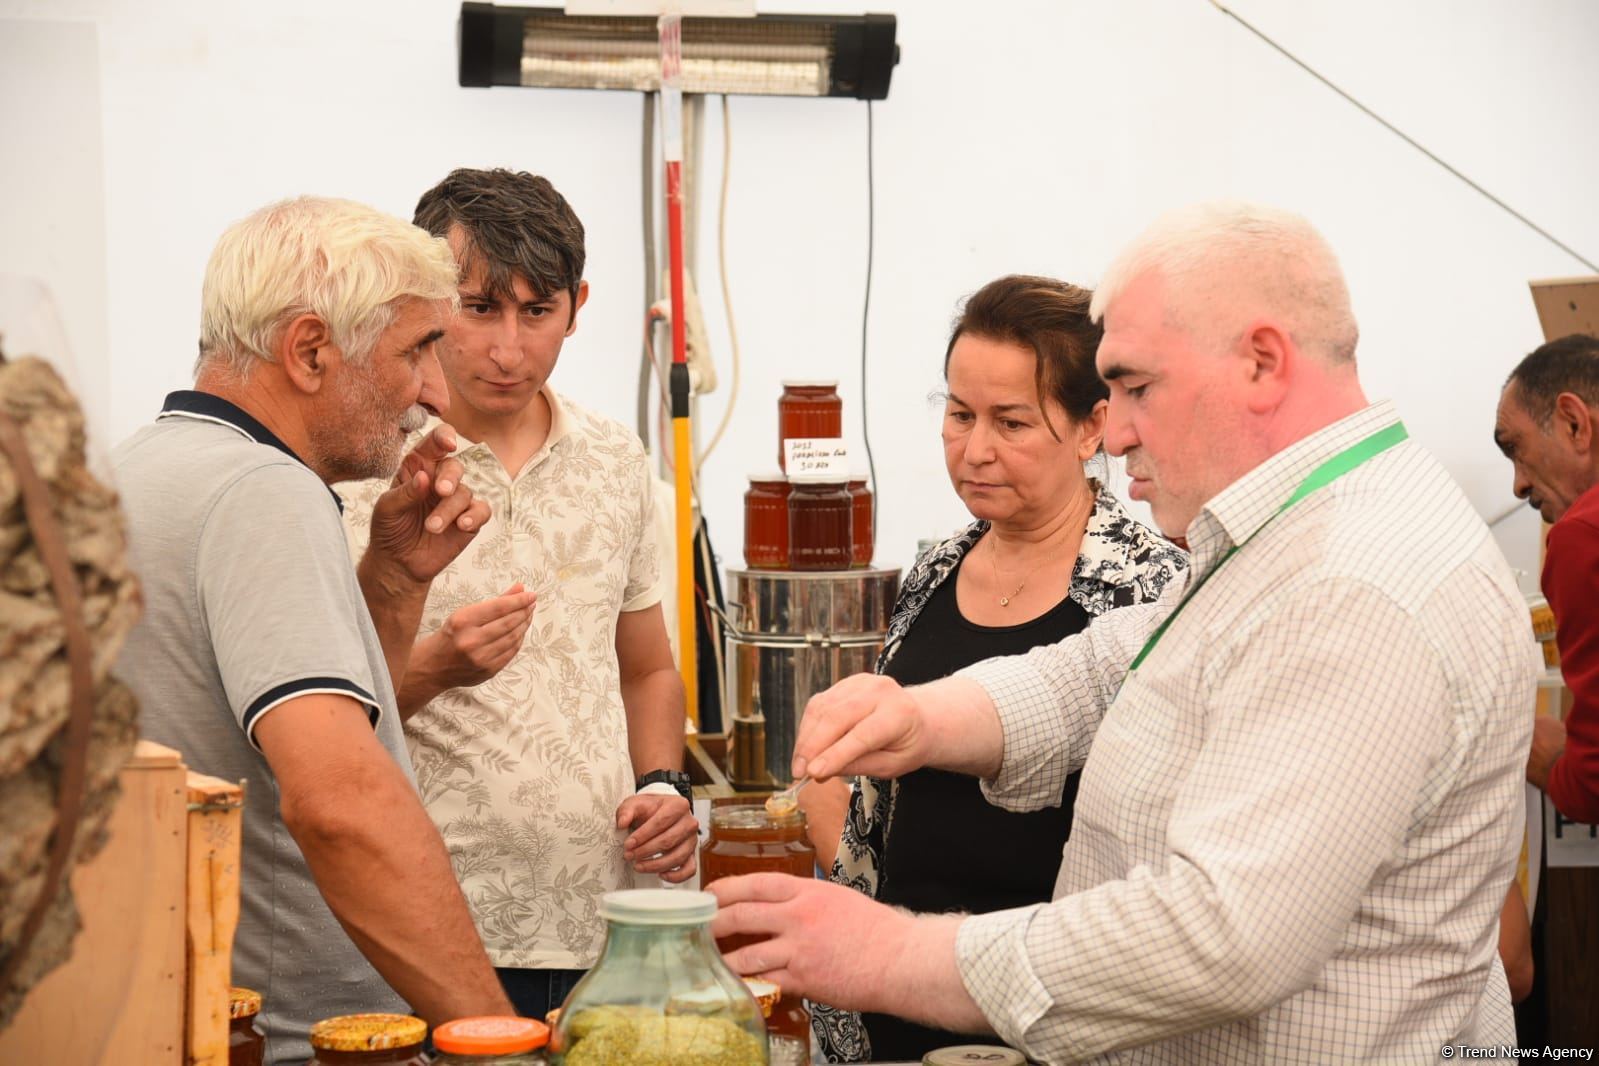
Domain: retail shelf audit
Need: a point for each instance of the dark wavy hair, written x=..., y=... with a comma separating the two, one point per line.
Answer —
x=1049, y=317
x=1570, y=364
x=515, y=224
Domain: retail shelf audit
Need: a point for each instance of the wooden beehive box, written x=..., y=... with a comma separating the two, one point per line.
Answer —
x=147, y=983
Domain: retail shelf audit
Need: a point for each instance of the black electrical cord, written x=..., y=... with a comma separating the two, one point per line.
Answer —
x=866, y=311
x=1402, y=135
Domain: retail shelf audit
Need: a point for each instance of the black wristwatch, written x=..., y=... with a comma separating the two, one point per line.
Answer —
x=676, y=778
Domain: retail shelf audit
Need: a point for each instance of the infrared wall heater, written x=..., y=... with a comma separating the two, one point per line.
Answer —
x=768, y=55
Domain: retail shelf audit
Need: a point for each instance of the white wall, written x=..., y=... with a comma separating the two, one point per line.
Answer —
x=1018, y=136
x=52, y=213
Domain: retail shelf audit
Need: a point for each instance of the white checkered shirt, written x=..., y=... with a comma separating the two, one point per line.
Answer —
x=1297, y=821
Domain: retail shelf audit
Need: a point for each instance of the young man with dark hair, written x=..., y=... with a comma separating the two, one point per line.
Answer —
x=547, y=736
x=1548, y=427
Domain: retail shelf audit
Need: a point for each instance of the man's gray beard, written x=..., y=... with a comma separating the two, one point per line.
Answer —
x=414, y=418
x=380, y=461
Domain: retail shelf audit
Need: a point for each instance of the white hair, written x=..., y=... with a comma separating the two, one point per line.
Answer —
x=344, y=262
x=1225, y=260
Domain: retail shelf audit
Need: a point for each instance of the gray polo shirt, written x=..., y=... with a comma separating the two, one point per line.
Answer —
x=251, y=601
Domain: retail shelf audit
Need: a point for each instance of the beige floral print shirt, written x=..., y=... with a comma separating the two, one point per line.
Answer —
x=523, y=773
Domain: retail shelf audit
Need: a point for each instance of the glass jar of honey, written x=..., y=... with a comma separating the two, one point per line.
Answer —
x=246, y=1043
x=788, y=1032
x=863, y=530
x=369, y=1040
x=820, y=523
x=766, y=522
x=807, y=409
x=491, y=1041
x=788, y=1023
x=747, y=838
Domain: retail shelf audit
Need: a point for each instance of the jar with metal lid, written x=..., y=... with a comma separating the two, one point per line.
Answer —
x=246, y=1043
x=807, y=409
x=863, y=531
x=766, y=522
x=369, y=1040
x=820, y=523
x=660, y=993
x=491, y=1041
x=974, y=1055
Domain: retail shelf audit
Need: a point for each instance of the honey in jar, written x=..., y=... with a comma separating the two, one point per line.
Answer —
x=863, y=532
x=746, y=838
x=807, y=409
x=820, y=523
x=246, y=1043
x=369, y=1040
x=788, y=1023
x=766, y=522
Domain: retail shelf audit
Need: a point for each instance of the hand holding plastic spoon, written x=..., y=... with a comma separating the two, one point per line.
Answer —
x=786, y=802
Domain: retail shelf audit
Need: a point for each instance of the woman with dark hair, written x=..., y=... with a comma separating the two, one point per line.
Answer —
x=1050, y=549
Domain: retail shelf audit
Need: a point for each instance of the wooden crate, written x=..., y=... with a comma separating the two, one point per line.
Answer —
x=147, y=981
x=216, y=824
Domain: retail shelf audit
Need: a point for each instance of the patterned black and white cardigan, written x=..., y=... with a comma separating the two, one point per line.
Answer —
x=1121, y=563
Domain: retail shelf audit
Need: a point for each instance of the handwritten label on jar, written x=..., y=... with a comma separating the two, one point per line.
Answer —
x=817, y=455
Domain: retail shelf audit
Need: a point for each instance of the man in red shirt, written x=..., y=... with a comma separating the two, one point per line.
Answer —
x=1548, y=427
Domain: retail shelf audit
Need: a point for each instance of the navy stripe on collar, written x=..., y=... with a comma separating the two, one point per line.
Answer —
x=210, y=406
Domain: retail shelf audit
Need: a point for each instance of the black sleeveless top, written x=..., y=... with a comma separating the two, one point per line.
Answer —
x=949, y=849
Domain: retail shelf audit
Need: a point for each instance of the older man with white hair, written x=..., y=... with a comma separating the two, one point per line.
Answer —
x=264, y=655
x=1300, y=799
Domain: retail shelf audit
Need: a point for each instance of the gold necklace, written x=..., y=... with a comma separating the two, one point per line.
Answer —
x=993, y=562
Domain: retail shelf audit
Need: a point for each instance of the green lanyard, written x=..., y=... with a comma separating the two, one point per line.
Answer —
x=1323, y=475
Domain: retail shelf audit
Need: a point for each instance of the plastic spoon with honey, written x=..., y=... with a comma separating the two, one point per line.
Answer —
x=786, y=802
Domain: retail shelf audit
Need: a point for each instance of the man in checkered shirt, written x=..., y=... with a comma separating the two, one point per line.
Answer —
x=1301, y=804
